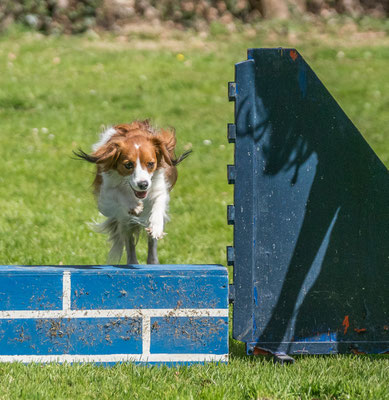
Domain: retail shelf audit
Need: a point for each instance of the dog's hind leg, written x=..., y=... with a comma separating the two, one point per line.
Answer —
x=111, y=227
x=152, y=257
x=130, y=243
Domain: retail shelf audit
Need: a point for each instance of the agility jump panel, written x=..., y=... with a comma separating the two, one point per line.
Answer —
x=310, y=215
x=108, y=314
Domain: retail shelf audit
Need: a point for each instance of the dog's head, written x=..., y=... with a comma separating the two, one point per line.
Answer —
x=135, y=154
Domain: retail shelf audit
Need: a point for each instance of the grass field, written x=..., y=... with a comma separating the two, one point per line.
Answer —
x=55, y=95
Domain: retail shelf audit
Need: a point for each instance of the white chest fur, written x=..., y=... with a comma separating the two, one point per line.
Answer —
x=117, y=200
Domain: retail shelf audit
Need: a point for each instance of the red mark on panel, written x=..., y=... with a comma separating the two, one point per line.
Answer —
x=362, y=330
x=346, y=324
x=261, y=352
x=293, y=54
x=356, y=351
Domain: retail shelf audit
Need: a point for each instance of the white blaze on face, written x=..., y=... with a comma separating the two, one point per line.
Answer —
x=140, y=175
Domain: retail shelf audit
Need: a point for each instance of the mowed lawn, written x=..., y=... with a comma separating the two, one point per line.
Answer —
x=56, y=93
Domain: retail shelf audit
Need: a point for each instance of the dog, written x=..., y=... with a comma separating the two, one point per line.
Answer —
x=135, y=172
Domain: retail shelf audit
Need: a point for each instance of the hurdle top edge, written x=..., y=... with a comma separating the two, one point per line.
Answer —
x=202, y=268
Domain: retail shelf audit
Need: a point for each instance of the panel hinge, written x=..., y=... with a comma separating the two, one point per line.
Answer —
x=230, y=255
x=230, y=214
x=231, y=91
x=231, y=174
x=231, y=133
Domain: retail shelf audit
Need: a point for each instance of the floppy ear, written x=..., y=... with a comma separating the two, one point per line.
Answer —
x=106, y=155
x=162, y=152
x=168, y=136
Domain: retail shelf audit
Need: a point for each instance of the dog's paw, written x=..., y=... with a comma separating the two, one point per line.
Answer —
x=156, y=231
x=137, y=210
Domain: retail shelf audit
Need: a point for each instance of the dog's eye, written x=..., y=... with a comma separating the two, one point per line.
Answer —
x=150, y=165
x=129, y=165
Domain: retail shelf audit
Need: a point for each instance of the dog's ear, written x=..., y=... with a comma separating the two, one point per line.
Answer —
x=162, y=152
x=168, y=137
x=106, y=155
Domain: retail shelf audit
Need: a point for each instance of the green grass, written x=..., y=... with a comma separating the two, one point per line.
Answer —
x=57, y=92
x=244, y=378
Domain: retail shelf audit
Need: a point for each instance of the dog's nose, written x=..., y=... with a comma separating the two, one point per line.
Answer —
x=143, y=185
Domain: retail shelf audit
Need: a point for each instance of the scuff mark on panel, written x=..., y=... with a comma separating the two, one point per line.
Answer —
x=293, y=55
x=346, y=324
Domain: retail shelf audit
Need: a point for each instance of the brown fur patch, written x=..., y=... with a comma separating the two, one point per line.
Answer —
x=97, y=183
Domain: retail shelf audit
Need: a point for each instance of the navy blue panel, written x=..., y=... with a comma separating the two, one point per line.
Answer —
x=70, y=336
x=311, y=227
x=154, y=289
x=30, y=291
x=189, y=335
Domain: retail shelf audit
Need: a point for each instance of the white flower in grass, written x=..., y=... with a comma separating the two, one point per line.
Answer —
x=207, y=142
x=340, y=54
x=51, y=136
x=44, y=130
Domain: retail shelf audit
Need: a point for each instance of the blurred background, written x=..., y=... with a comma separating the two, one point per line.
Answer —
x=75, y=16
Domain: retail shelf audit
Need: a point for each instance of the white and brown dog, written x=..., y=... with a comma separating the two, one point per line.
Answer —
x=136, y=169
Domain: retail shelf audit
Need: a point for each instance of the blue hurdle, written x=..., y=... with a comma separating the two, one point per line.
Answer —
x=108, y=314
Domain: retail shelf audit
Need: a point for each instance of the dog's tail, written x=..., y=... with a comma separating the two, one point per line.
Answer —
x=181, y=157
x=111, y=227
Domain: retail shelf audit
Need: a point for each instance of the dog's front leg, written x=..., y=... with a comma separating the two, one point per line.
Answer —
x=157, y=217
